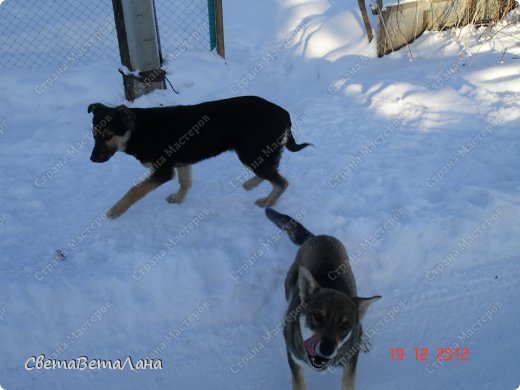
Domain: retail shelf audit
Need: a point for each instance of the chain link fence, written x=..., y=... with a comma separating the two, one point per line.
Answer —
x=183, y=26
x=43, y=34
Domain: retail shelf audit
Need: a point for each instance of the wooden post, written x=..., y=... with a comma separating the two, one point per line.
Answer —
x=216, y=26
x=366, y=21
x=139, y=49
x=381, y=31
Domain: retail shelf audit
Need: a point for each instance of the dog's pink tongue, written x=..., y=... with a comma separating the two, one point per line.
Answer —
x=310, y=345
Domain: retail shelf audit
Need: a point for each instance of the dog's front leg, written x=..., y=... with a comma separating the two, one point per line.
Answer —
x=184, y=183
x=138, y=192
x=298, y=381
x=349, y=374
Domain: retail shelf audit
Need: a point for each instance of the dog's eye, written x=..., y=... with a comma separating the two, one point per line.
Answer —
x=107, y=135
x=345, y=325
x=318, y=317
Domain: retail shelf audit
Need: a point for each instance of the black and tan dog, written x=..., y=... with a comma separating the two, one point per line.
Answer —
x=169, y=138
x=323, y=323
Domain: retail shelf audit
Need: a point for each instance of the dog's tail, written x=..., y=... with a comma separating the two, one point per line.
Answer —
x=292, y=145
x=297, y=233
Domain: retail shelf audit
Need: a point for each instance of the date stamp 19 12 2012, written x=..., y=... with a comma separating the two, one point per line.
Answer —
x=423, y=354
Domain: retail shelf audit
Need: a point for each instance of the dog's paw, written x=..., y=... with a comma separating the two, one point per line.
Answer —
x=248, y=186
x=115, y=211
x=254, y=182
x=264, y=202
x=112, y=214
x=175, y=198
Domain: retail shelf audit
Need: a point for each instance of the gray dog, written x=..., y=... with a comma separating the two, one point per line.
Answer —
x=323, y=322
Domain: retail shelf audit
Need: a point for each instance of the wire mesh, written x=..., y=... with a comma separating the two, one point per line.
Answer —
x=46, y=33
x=41, y=34
x=183, y=26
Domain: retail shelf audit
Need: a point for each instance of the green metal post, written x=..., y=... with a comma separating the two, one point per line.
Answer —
x=212, y=25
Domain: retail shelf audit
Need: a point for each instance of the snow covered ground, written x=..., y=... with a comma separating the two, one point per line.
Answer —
x=415, y=168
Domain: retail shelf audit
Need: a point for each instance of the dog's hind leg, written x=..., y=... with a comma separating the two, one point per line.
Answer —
x=265, y=170
x=252, y=183
x=298, y=381
x=185, y=185
x=278, y=182
x=138, y=192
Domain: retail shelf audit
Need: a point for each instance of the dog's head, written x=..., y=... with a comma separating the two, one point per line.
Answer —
x=329, y=319
x=112, y=128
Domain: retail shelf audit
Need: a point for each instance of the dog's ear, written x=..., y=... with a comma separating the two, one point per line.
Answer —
x=127, y=117
x=307, y=285
x=94, y=107
x=363, y=303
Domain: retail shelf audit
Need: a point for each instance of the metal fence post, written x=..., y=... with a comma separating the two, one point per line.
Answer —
x=139, y=48
x=216, y=26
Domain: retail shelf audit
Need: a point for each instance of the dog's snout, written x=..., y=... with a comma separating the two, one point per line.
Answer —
x=101, y=153
x=99, y=158
x=95, y=156
x=327, y=348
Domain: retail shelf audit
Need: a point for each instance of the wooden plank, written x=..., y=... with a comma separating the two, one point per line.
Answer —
x=400, y=24
x=219, y=19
